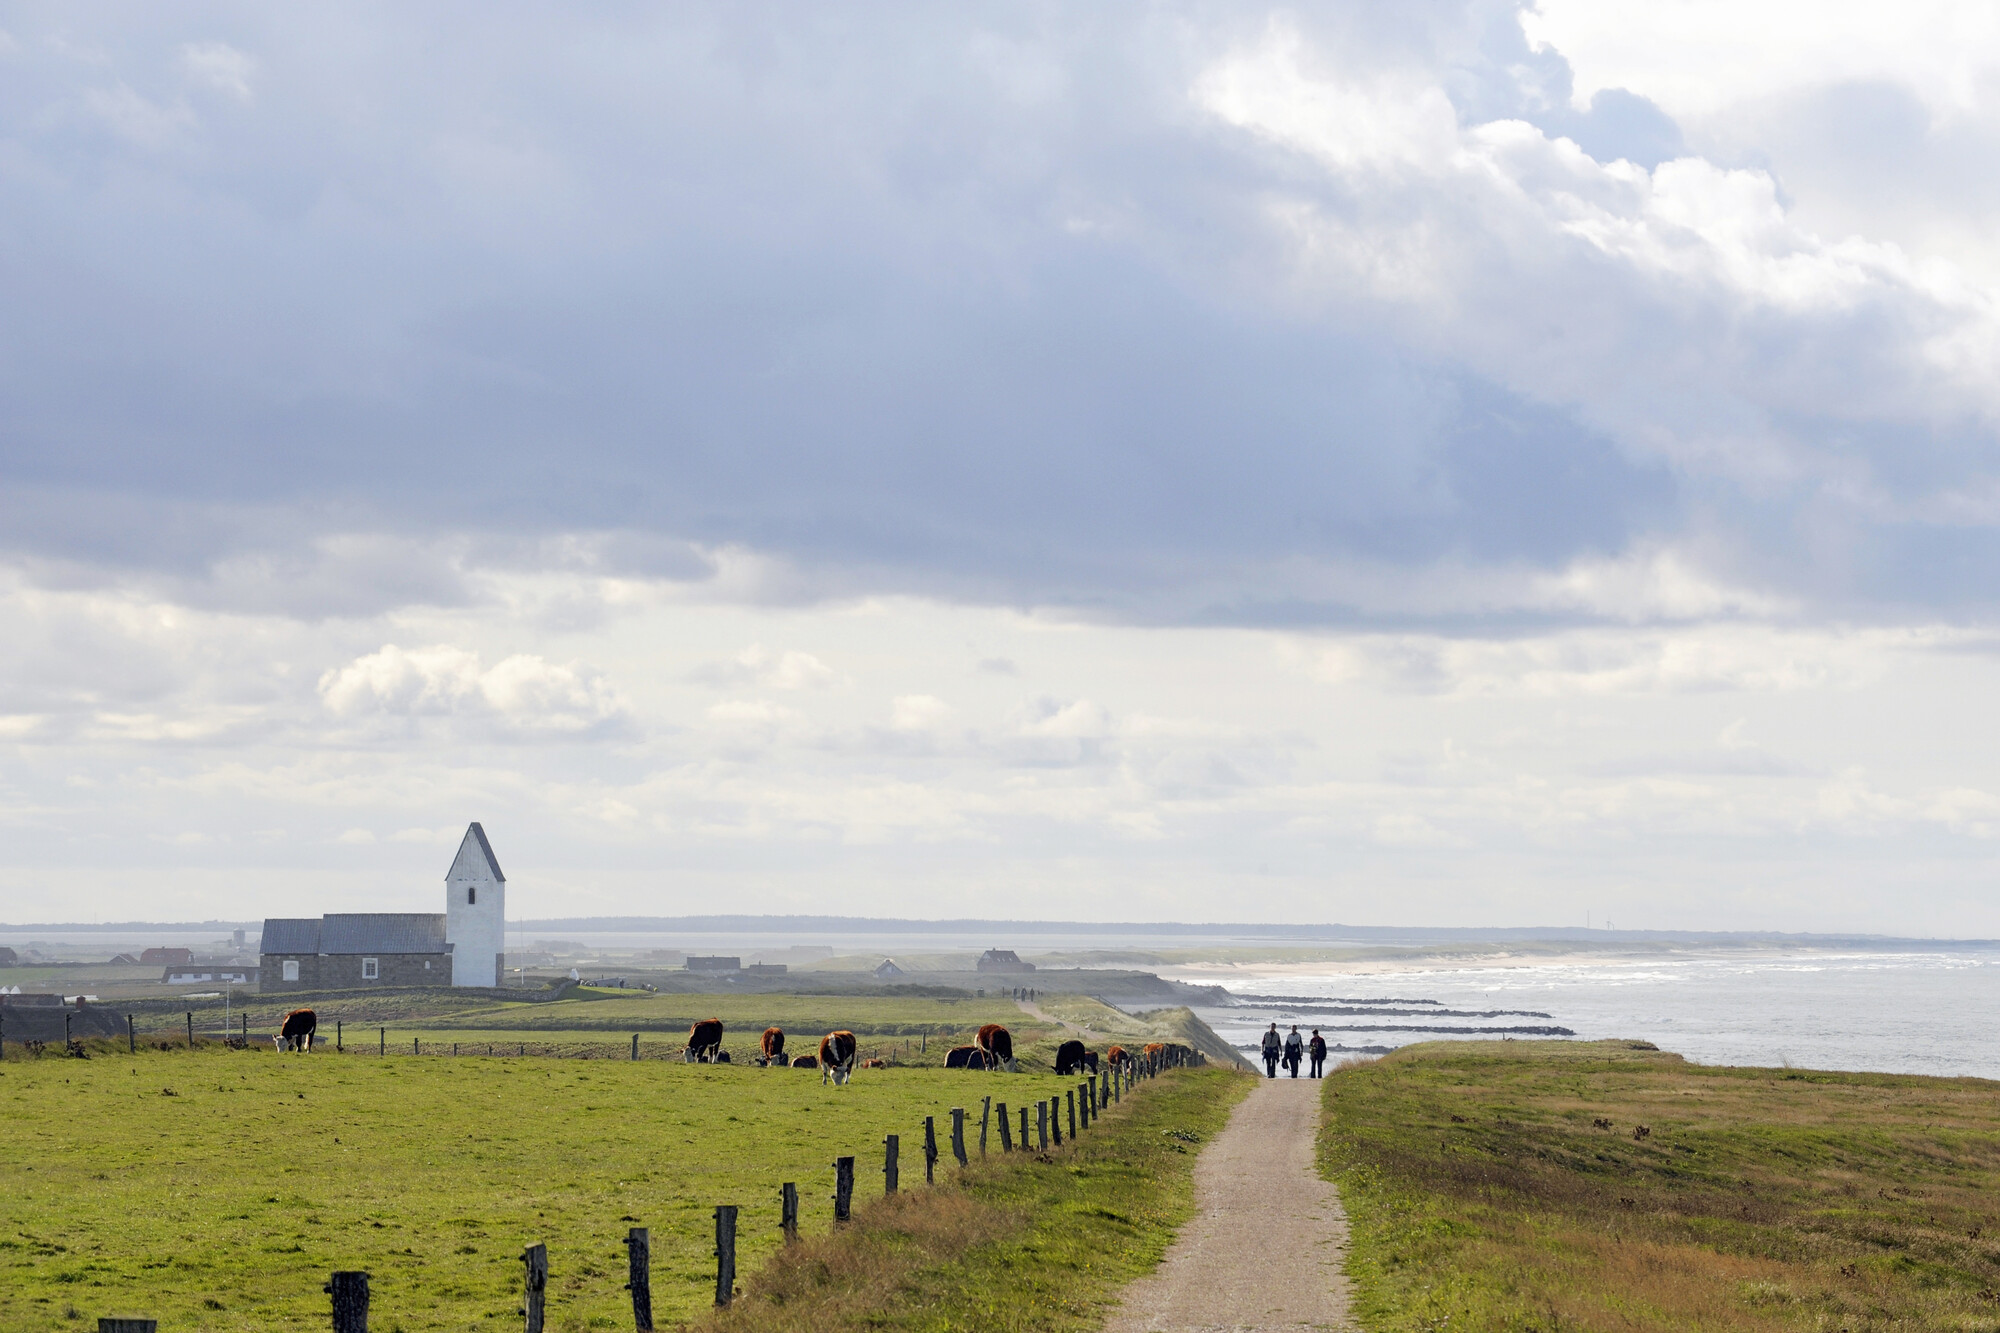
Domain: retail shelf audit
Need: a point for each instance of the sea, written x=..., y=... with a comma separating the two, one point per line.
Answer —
x=1908, y=1012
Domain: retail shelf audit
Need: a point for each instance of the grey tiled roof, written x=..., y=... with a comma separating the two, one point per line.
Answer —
x=288, y=934
x=382, y=932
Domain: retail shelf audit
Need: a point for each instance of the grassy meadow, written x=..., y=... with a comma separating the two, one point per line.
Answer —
x=1543, y=1186
x=216, y=1189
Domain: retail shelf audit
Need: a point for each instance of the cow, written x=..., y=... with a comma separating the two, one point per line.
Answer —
x=1071, y=1057
x=704, y=1042
x=773, y=1046
x=1155, y=1054
x=874, y=1063
x=836, y=1057
x=296, y=1032
x=805, y=1062
x=1179, y=1056
x=1118, y=1055
x=996, y=1048
x=963, y=1057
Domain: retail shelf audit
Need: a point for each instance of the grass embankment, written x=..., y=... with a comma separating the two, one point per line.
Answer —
x=1484, y=1195
x=1041, y=1242
x=1102, y=1025
x=216, y=1190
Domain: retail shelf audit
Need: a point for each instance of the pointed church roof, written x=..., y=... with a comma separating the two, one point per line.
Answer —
x=474, y=855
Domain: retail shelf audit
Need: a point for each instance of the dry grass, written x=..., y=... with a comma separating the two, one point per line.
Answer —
x=1019, y=1243
x=1485, y=1195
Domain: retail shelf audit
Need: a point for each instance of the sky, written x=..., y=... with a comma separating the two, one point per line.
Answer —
x=1429, y=464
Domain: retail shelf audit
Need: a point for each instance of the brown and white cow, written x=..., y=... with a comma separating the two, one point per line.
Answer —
x=836, y=1057
x=704, y=1042
x=996, y=1048
x=1118, y=1055
x=296, y=1032
x=773, y=1046
x=963, y=1057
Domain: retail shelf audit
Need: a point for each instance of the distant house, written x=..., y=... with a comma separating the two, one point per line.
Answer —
x=714, y=963
x=123, y=960
x=166, y=957
x=8, y=958
x=887, y=968
x=196, y=974
x=1002, y=960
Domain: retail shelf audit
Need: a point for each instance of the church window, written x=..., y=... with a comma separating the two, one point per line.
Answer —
x=371, y=969
x=471, y=896
x=291, y=969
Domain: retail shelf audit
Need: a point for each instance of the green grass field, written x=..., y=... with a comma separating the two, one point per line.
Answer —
x=1485, y=1194
x=216, y=1190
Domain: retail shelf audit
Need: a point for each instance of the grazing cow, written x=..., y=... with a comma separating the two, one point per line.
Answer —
x=773, y=1046
x=704, y=1042
x=1179, y=1056
x=963, y=1057
x=1155, y=1053
x=805, y=1062
x=1069, y=1057
x=872, y=1063
x=296, y=1033
x=836, y=1057
x=1118, y=1055
x=996, y=1048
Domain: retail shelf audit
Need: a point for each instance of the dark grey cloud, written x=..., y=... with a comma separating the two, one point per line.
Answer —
x=976, y=303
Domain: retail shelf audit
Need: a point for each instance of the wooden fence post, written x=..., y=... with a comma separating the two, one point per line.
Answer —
x=1006, y=1128
x=958, y=1134
x=930, y=1148
x=536, y=1259
x=1024, y=1129
x=190, y=1018
x=246, y=1030
x=381, y=1041
x=416, y=1046
x=128, y=1326
x=725, y=1252
x=890, y=1146
x=350, y=1302
x=788, y=1211
x=339, y=1035
x=635, y=1046
x=843, y=1188
x=131, y=1036
x=1042, y=1126
x=985, y=1110
x=1117, y=1083
x=639, y=1276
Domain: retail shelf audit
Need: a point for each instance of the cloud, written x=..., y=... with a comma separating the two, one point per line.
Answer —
x=521, y=695
x=220, y=66
x=778, y=671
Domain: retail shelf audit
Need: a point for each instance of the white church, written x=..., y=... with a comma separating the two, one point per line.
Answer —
x=465, y=945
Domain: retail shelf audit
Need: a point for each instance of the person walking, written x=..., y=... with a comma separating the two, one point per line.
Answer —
x=1274, y=1046
x=1317, y=1049
x=1295, y=1049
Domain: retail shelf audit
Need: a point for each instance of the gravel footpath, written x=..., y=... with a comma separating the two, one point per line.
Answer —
x=1266, y=1248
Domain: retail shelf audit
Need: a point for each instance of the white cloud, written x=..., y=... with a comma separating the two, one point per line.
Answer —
x=755, y=665
x=523, y=693
x=220, y=66
x=919, y=712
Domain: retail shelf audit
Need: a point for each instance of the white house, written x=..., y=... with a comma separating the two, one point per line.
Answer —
x=475, y=913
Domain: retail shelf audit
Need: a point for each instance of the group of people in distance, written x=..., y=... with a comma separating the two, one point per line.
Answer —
x=1289, y=1051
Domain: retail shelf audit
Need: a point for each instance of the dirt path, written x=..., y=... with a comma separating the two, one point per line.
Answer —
x=1265, y=1250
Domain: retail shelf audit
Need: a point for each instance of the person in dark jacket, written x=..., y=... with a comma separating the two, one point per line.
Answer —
x=1274, y=1047
x=1316, y=1048
x=1295, y=1050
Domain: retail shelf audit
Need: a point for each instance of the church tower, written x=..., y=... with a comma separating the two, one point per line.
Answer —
x=475, y=913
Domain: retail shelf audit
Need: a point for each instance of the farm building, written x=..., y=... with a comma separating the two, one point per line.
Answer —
x=167, y=957
x=1002, y=960
x=464, y=945
x=887, y=968
x=8, y=958
x=198, y=974
x=714, y=963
